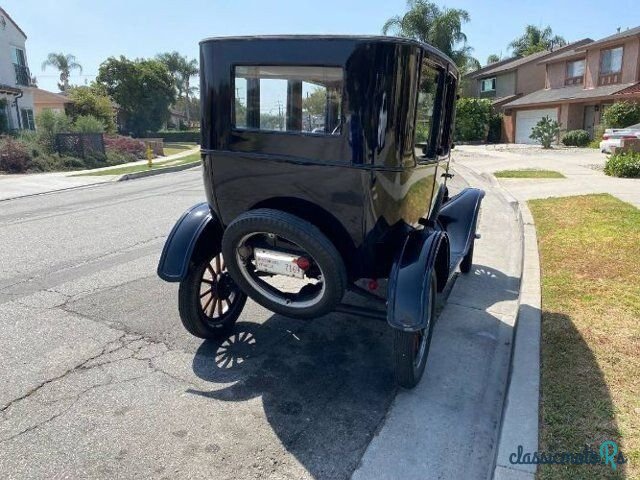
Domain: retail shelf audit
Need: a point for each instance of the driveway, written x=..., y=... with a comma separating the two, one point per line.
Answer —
x=582, y=167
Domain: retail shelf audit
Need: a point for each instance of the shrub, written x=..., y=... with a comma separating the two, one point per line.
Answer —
x=93, y=101
x=115, y=158
x=14, y=156
x=177, y=137
x=495, y=128
x=623, y=164
x=88, y=124
x=545, y=131
x=125, y=145
x=472, y=119
x=576, y=138
x=621, y=115
x=50, y=123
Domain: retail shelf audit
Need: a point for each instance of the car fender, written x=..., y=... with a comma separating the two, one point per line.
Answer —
x=459, y=217
x=410, y=279
x=197, y=227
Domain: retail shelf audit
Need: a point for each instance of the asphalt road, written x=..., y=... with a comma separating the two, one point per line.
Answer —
x=100, y=380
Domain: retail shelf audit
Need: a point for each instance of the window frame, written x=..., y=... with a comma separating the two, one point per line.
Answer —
x=571, y=62
x=30, y=119
x=235, y=128
x=488, y=79
x=433, y=140
x=602, y=55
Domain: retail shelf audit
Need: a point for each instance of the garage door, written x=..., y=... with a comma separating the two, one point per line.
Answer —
x=527, y=119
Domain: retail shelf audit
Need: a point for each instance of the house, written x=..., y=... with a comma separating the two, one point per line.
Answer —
x=45, y=100
x=16, y=97
x=580, y=83
x=504, y=81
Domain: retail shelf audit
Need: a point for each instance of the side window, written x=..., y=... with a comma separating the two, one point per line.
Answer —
x=288, y=99
x=427, y=112
x=449, y=110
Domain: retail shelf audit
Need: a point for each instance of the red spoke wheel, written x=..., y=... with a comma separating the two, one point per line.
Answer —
x=209, y=301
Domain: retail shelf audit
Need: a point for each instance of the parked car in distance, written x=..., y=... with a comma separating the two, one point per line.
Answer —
x=613, y=137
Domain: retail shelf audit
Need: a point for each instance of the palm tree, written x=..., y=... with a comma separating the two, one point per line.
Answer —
x=64, y=64
x=535, y=40
x=493, y=58
x=188, y=69
x=182, y=69
x=440, y=27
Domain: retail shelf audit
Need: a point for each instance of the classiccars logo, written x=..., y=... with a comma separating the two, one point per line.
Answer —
x=608, y=454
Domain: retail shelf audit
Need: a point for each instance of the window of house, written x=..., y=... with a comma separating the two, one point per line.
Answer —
x=288, y=99
x=611, y=61
x=28, y=122
x=18, y=57
x=575, y=69
x=488, y=84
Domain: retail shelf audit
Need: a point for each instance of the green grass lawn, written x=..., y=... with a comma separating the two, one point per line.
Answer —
x=590, y=355
x=143, y=167
x=528, y=173
x=171, y=148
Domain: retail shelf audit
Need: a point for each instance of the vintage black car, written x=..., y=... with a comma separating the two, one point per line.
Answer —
x=325, y=167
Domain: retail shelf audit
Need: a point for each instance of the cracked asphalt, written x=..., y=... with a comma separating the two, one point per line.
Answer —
x=100, y=380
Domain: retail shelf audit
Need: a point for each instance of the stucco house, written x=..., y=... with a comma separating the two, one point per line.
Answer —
x=579, y=84
x=45, y=100
x=16, y=96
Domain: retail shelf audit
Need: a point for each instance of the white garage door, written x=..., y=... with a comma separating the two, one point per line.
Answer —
x=527, y=119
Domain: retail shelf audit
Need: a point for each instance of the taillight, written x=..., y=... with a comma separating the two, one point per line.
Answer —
x=303, y=263
x=605, y=137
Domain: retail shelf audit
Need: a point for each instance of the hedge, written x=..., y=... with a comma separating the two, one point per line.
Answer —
x=177, y=136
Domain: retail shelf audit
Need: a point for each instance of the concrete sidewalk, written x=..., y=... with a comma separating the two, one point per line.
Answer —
x=448, y=426
x=21, y=185
x=581, y=166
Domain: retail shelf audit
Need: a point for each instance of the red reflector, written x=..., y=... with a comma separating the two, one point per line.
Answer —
x=605, y=137
x=303, y=263
x=373, y=284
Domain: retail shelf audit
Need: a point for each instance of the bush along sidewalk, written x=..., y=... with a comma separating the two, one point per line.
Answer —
x=623, y=164
x=576, y=138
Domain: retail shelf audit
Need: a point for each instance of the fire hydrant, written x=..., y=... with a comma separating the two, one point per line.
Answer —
x=149, y=157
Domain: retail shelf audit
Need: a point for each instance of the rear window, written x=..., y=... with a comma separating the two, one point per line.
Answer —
x=288, y=99
x=429, y=100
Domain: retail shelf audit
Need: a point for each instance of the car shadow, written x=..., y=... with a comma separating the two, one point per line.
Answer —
x=325, y=385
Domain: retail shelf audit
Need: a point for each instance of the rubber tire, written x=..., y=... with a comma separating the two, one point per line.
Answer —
x=467, y=261
x=406, y=373
x=191, y=314
x=306, y=236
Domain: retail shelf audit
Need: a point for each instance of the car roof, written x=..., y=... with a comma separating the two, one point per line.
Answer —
x=370, y=38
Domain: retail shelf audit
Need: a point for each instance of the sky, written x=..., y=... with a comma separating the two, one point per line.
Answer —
x=96, y=29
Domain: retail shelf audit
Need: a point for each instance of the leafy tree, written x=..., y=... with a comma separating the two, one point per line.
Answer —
x=545, y=131
x=440, y=27
x=472, y=119
x=64, y=64
x=49, y=123
x=621, y=115
x=316, y=102
x=493, y=58
x=535, y=40
x=92, y=100
x=182, y=70
x=143, y=90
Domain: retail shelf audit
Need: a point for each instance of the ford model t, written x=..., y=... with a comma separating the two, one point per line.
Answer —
x=325, y=168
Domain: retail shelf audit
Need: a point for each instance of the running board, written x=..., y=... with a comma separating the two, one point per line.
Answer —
x=361, y=311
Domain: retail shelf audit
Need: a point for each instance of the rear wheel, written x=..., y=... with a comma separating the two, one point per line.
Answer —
x=410, y=349
x=304, y=294
x=209, y=301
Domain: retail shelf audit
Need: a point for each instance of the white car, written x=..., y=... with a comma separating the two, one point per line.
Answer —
x=613, y=137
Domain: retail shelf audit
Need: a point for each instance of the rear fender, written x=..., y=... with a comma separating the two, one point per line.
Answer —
x=197, y=232
x=410, y=280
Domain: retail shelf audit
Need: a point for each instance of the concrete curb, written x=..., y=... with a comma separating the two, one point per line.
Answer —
x=519, y=424
x=157, y=171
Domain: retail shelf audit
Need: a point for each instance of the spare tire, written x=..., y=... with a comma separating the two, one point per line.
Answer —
x=325, y=278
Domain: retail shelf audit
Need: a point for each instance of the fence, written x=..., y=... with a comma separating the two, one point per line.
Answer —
x=79, y=144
